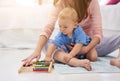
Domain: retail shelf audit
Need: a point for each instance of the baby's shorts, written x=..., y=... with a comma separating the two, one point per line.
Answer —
x=81, y=56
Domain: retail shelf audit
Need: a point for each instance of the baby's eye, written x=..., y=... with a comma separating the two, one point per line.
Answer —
x=65, y=27
x=59, y=25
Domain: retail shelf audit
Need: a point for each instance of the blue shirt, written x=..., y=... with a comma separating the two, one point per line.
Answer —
x=78, y=36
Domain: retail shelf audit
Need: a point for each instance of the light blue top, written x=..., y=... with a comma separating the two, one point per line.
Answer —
x=78, y=36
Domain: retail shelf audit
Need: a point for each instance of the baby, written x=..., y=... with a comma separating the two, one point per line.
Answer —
x=71, y=34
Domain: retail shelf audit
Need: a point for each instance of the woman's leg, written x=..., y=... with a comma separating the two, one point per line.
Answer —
x=108, y=45
x=59, y=56
x=116, y=62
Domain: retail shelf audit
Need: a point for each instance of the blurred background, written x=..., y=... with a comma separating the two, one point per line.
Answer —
x=20, y=24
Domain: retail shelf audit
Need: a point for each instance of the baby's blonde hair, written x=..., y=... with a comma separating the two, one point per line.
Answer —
x=68, y=13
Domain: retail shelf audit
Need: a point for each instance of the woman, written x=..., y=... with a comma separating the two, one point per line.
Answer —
x=90, y=20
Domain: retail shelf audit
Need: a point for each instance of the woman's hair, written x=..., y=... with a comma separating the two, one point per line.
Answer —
x=55, y=1
x=81, y=6
x=68, y=13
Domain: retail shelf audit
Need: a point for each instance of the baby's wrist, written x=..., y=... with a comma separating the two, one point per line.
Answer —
x=71, y=55
x=47, y=57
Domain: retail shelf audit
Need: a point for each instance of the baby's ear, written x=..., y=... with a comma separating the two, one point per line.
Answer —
x=76, y=23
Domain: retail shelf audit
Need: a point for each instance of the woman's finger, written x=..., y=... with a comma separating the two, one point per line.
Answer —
x=70, y=47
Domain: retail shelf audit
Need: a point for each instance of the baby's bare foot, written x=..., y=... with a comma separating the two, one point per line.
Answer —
x=86, y=64
x=115, y=62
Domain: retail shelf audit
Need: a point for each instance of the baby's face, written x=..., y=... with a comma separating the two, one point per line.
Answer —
x=66, y=26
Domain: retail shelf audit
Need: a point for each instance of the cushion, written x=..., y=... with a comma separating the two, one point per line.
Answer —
x=109, y=2
x=112, y=2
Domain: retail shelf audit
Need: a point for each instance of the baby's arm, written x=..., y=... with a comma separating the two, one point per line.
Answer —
x=49, y=53
x=73, y=52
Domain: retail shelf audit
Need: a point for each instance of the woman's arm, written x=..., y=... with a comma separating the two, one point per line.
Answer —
x=95, y=27
x=86, y=49
x=49, y=27
x=91, y=45
x=45, y=34
x=41, y=42
x=37, y=52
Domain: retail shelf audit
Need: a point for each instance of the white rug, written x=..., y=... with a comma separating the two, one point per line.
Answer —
x=100, y=66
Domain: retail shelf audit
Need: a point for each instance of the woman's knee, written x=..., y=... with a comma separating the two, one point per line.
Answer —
x=92, y=56
x=93, y=59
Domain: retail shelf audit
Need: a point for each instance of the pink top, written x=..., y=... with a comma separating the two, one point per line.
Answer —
x=91, y=25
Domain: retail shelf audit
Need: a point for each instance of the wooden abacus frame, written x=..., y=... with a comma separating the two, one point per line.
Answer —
x=30, y=68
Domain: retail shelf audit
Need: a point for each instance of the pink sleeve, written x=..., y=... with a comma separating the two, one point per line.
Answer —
x=49, y=27
x=95, y=19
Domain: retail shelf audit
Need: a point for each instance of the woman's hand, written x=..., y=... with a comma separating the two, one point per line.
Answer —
x=27, y=61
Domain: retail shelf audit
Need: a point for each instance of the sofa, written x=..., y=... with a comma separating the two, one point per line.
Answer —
x=110, y=18
x=20, y=25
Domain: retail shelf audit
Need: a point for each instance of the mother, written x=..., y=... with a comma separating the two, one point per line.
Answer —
x=89, y=19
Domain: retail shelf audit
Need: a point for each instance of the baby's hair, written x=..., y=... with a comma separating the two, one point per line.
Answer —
x=68, y=13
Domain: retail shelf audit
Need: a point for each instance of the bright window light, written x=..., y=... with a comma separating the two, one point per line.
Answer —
x=26, y=2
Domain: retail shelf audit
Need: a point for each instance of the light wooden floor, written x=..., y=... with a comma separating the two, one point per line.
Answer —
x=10, y=61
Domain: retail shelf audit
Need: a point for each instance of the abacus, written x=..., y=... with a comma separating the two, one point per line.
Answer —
x=37, y=66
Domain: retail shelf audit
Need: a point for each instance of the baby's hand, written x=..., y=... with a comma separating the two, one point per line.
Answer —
x=67, y=58
x=48, y=59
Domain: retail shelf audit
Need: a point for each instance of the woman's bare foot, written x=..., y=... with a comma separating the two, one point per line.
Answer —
x=115, y=62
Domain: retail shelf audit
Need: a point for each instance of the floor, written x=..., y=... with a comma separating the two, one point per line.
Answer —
x=10, y=62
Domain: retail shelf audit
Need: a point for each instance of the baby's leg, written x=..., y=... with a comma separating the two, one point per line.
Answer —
x=92, y=55
x=80, y=63
x=59, y=56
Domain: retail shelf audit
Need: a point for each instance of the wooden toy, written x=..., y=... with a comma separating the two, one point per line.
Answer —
x=37, y=66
